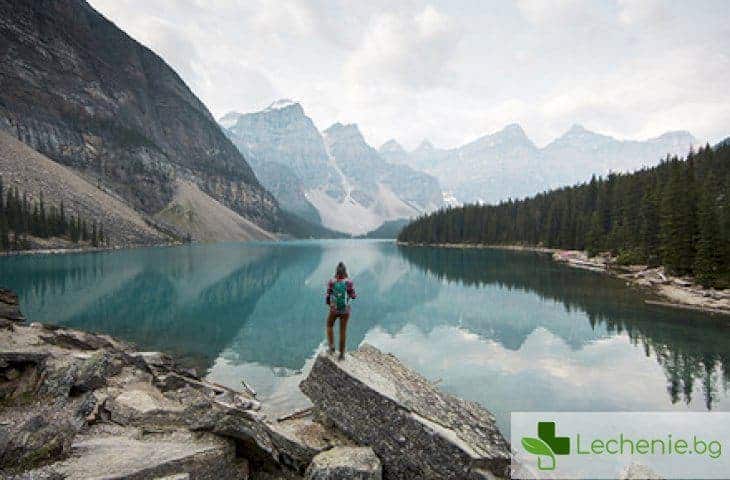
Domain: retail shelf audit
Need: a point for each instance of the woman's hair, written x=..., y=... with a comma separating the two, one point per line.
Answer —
x=341, y=270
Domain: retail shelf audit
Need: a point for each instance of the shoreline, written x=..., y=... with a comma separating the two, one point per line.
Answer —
x=77, y=250
x=677, y=292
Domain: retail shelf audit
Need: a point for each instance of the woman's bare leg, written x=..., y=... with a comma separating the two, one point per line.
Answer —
x=343, y=333
x=330, y=331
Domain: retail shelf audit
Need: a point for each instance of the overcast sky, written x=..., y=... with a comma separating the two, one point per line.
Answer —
x=451, y=71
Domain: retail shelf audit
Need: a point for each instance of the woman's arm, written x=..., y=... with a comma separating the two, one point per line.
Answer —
x=329, y=292
x=351, y=289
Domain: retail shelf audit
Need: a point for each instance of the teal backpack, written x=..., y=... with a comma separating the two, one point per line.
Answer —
x=339, y=291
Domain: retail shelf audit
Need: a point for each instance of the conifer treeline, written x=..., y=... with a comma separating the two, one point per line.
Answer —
x=675, y=214
x=20, y=219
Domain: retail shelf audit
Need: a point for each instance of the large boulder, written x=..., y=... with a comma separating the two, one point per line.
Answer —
x=416, y=430
x=109, y=451
x=345, y=463
x=9, y=306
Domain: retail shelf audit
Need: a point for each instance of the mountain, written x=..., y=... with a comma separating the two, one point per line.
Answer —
x=388, y=230
x=507, y=164
x=378, y=190
x=287, y=154
x=81, y=92
x=580, y=153
x=393, y=152
x=334, y=178
x=35, y=174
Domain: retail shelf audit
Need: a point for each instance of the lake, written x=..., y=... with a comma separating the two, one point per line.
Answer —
x=513, y=331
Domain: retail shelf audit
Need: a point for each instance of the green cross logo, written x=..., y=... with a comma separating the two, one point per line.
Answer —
x=546, y=445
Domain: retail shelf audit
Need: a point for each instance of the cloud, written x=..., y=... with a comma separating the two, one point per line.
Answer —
x=406, y=50
x=677, y=89
x=633, y=12
x=451, y=71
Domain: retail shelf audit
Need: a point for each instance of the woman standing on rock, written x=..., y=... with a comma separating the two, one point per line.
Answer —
x=340, y=290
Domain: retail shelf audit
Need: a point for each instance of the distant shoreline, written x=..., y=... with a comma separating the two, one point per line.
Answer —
x=77, y=250
x=679, y=292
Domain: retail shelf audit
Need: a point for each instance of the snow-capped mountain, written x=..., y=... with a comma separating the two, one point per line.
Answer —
x=507, y=164
x=336, y=179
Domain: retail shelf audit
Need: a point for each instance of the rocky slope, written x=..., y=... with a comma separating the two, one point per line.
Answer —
x=287, y=153
x=507, y=164
x=334, y=178
x=206, y=219
x=386, y=191
x=36, y=174
x=80, y=91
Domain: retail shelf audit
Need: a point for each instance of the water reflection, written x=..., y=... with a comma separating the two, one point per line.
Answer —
x=513, y=331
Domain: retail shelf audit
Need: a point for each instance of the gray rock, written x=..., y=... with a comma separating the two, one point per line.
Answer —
x=299, y=440
x=416, y=430
x=32, y=435
x=9, y=306
x=119, y=453
x=345, y=463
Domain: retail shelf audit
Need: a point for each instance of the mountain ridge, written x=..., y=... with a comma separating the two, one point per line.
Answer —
x=507, y=163
x=335, y=177
x=84, y=93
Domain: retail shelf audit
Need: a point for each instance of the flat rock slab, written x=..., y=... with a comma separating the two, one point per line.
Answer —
x=345, y=463
x=125, y=454
x=416, y=430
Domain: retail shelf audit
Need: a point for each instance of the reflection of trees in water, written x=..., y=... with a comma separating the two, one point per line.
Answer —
x=690, y=347
x=163, y=306
x=692, y=353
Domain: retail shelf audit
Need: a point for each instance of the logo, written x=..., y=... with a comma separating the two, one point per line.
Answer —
x=546, y=445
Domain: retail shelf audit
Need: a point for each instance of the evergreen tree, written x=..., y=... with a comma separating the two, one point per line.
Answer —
x=676, y=214
x=709, y=250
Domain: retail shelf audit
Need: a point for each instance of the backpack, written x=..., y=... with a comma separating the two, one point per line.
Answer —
x=339, y=292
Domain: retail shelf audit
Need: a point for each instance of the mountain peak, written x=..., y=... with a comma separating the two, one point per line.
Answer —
x=579, y=133
x=514, y=129
x=577, y=128
x=391, y=146
x=229, y=119
x=425, y=145
x=282, y=104
x=346, y=132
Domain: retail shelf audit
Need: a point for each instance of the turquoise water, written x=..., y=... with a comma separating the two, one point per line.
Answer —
x=513, y=331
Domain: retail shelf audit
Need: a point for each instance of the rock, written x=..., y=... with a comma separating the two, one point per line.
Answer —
x=35, y=434
x=681, y=282
x=143, y=406
x=299, y=440
x=122, y=453
x=78, y=341
x=416, y=430
x=9, y=306
x=345, y=463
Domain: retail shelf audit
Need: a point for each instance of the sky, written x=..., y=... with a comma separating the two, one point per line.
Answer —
x=451, y=71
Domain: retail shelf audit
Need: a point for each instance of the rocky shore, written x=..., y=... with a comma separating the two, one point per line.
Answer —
x=79, y=405
x=663, y=289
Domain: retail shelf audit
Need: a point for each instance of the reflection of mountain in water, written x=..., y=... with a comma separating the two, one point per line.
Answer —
x=287, y=324
x=188, y=303
x=690, y=347
x=262, y=304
